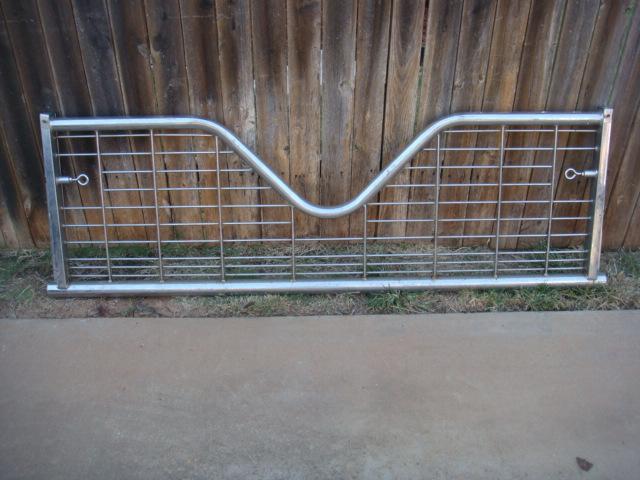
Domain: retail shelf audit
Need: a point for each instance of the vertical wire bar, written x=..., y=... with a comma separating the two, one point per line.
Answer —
x=365, y=217
x=551, y=199
x=436, y=207
x=65, y=216
x=293, y=245
x=500, y=171
x=104, y=215
x=599, y=196
x=155, y=203
x=220, y=230
x=54, y=194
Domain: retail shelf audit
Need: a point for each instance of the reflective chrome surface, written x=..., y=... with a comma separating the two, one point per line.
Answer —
x=173, y=207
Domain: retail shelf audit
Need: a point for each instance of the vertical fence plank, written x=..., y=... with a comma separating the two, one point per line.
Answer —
x=172, y=95
x=627, y=206
x=304, y=23
x=623, y=157
x=407, y=21
x=132, y=54
x=19, y=134
x=597, y=86
x=95, y=57
x=103, y=81
x=338, y=72
x=573, y=47
x=67, y=71
x=440, y=51
x=200, y=34
x=13, y=221
x=269, y=26
x=534, y=78
x=236, y=68
x=468, y=90
x=502, y=76
x=372, y=47
x=632, y=236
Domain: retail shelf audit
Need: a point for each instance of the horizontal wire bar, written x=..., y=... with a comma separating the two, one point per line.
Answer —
x=416, y=237
x=261, y=265
x=166, y=266
x=384, y=264
x=142, y=154
x=257, y=274
x=400, y=203
x=116, y=225
x=507, y=149
x=329, y=265
x=255, y=257
x=327, y=239
x=425, y=185
x=258, y=223
x=474, y=167
x=135, y=135
x=357, y=273
x=522, y=130
x=509, y=219
x=395, y=272
x=114, y=259
x=443, y=202
x=405, y=220
x=256, y=240
x=178, y=170
x=188, y=275
x=355, y=255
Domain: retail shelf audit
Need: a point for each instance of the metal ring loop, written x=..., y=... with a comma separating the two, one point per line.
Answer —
x=82, y=179
x=570, y=173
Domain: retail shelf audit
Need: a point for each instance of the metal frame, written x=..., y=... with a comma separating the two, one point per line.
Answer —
x=296, y=279
x=599, y=195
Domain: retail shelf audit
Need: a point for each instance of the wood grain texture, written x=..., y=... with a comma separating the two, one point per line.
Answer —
x=236, y=69
x=623, y=158
x=19, y=81
x=468, y=91
x=103, y=81
x=338, y=78
x=272, y=105
x=499, y=93
x=202, y=61
x=534, y=78
x=597, y=87
x=436, y=89
x=13, y=220
x=372, y=45
x=625, y=220
x=172, y=95
x=127, y=21
x=571, y=56
x=407, y=20
x=304, y=24
x=72, y=96
x=326, y=92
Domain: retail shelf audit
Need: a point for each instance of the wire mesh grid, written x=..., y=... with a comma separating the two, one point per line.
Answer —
x=168, y=205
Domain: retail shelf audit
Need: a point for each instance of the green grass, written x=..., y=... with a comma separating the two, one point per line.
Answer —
x=16, y=267
x=24, y=274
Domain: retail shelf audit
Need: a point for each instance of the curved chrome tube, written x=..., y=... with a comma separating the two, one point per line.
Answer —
x=278, y=184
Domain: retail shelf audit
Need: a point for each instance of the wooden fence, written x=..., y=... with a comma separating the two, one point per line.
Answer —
x=327, y=91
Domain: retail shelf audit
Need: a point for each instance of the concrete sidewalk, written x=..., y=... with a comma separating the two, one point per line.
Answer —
x=435, y=396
